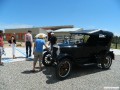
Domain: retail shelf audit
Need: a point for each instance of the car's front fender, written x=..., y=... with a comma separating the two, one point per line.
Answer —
x=46, y=50
x=62, y=56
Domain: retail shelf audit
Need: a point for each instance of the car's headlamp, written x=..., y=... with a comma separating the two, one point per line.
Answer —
x=58, y=49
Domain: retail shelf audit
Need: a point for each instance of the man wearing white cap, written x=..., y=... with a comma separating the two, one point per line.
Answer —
x=53, y=40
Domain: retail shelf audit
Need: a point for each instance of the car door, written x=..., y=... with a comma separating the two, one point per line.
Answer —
x=88, y=48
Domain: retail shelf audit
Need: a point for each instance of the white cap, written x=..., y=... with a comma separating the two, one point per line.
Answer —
x=52, y=33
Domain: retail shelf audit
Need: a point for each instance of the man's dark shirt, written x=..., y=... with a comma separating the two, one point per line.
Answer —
x=53, y=40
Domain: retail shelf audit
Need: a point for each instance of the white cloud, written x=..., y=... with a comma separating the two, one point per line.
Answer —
x=12, y=26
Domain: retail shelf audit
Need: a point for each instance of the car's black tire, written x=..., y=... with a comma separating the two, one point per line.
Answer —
x=106, y=62
x=47, y=60
x=63, y=69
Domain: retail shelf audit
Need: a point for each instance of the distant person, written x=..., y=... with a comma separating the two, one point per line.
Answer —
x=1, y=46
x=28, y=42
x=66, y=40
x=12, y=42
x=38, y=50
x=53, y=40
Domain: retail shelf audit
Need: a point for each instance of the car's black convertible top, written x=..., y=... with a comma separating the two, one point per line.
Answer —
x=93, y=32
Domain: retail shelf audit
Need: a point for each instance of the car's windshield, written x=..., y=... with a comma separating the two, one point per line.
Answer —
x=73, y=39
x=79, y=38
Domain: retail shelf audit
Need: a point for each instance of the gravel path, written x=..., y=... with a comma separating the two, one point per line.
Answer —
x=17, y=76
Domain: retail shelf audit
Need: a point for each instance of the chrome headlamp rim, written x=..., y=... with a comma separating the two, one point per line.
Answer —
x=58, y=47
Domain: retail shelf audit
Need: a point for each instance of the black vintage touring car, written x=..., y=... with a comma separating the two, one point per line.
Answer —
x=83, y=47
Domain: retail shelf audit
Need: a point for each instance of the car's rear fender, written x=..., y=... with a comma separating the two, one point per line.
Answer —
x=100, y=56
x=111, y=54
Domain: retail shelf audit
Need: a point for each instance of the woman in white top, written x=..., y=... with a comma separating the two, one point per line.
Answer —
x=12, y=41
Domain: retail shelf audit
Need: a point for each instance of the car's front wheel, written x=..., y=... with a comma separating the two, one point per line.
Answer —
x=106, y=62
x=47, y=59
x=63, y=69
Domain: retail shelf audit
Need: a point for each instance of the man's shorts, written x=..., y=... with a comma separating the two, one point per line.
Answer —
x=37, y=55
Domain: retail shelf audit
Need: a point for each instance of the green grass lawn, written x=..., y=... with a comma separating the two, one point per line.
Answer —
x=114, y=46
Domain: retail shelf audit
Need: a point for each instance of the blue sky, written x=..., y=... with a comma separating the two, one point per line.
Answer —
x=87, y=14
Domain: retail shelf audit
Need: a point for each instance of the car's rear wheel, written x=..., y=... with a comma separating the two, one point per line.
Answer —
x=63, y=69
x=106, y=62
x=47, y=59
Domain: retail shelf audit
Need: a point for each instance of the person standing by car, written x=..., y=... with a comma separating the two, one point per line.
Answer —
x=12, y=42
x=38, y=50
x=53, y=40
x=28, y=42
x=1, y=46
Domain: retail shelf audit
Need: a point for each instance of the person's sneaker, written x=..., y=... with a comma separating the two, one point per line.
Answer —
x=32, y=71
x=1, y=64
x=29, y=55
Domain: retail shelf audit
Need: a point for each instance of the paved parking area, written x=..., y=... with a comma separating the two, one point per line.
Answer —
x=17, y=76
